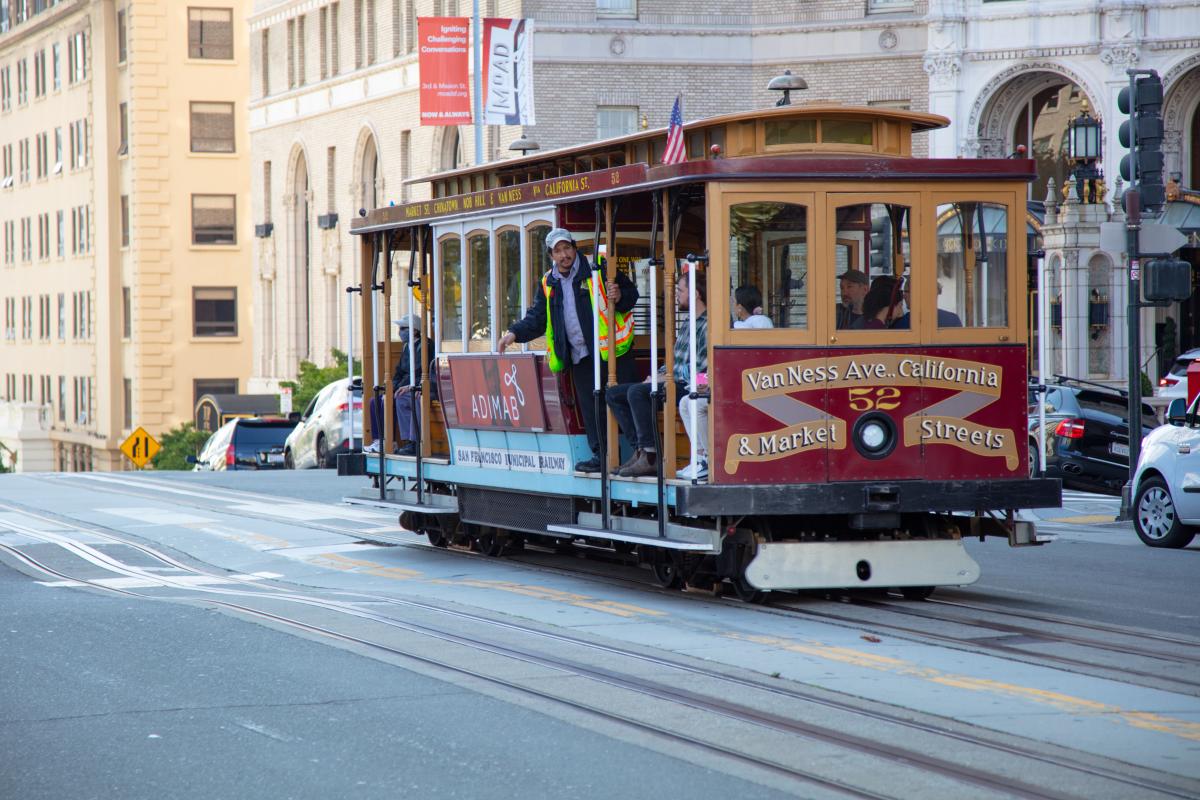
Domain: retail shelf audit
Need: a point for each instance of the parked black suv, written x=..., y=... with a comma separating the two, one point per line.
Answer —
x=245, y=443
x=1087, y=433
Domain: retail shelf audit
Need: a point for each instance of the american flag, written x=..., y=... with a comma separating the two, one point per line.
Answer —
x=675, y=152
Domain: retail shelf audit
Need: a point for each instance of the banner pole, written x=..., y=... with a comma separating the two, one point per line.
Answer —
x=478, y=105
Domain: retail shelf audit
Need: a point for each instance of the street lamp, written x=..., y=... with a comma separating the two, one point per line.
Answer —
x=786, y=83
x=524, y=145
x=1084, y=139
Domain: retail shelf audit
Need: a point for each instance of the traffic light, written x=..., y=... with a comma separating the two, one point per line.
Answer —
x=1142, y=133
x=881, y=244
x=1167, y=279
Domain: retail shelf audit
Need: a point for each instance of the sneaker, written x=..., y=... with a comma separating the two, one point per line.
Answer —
x=591, y=465
x=694, y=471
x=409, y=449
x=373, y=447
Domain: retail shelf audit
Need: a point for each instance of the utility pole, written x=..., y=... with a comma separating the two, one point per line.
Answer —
x=1133, y=226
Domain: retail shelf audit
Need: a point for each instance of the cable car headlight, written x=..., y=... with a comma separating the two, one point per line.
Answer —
x=874, y=435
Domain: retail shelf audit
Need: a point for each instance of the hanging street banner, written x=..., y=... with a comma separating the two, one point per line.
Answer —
x=444, y=46
x=508, y=71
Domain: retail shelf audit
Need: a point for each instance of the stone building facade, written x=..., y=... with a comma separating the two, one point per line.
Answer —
x=334, y=119
x=334, y=122
x=125, y=183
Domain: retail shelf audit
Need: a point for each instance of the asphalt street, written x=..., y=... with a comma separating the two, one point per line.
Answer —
x=250, y=635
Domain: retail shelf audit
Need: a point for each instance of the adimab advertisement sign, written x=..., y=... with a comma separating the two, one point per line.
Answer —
x=444, y=52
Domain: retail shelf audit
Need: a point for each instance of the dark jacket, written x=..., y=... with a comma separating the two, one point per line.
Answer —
x=534, y=323
x=400, y=375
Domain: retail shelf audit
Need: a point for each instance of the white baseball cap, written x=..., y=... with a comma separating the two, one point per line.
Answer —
x=558, y=235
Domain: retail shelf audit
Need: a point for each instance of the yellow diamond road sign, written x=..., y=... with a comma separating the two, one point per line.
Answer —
x=140, y=447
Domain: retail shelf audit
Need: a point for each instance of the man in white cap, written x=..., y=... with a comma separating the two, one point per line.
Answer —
x=563, y=313
x=405, y=410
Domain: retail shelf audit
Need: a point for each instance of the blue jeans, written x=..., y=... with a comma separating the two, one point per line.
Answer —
x=403, y=416
x=634, y=410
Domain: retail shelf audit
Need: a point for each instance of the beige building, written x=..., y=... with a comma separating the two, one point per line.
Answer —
x=125, y=266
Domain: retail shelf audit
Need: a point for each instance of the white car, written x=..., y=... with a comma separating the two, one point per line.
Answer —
x=1166, y=502
x=324, y=428
x=1174, y=383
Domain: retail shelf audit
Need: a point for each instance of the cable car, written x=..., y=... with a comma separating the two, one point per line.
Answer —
x=872, y=416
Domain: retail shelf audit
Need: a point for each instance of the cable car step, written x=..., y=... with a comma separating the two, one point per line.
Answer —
x=643, y=532
x=406, y=500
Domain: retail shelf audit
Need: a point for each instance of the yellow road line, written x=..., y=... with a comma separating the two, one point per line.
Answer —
x=1086, y=519
x=1063, y=702
x=558, y=596
x=347, y=564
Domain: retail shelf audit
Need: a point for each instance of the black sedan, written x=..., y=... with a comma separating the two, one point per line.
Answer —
x=1087, y=434
x=245, y=443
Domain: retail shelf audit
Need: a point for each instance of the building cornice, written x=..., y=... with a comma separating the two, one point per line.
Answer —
x=40, y=23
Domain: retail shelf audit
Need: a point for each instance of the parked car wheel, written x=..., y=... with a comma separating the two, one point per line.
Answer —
x=322, y=452
x=288, y=461
x=1155, y=519
x=1033, y=459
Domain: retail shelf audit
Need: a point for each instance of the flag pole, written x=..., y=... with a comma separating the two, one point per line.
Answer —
x=478, y=39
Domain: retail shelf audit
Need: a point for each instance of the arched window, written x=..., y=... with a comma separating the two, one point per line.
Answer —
x=370, y=175
x=301, y=259
x=1042, y=128
x=451, y=145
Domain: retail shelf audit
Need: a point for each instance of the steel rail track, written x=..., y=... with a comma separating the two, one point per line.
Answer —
x=669, y=693
x=779, y=606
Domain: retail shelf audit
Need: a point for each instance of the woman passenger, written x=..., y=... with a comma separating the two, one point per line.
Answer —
x=883, y=303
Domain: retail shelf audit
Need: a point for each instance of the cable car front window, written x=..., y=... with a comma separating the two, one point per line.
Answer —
x=872, y=254
x=972, y=259
x=768, y=261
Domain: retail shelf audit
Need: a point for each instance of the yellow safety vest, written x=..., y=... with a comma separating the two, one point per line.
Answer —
x=624, y=325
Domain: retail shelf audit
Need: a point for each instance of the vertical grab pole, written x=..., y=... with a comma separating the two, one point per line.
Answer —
x=654, y=384
x=693, y=385
x=376, y=389
x=1043, y=357
x=414, y=393
x=350, y=366
x=598, y=392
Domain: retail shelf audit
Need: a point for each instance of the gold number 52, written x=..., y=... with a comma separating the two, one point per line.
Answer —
x=884, y=398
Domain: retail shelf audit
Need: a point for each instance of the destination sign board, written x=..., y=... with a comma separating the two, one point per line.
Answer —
x=544, y=191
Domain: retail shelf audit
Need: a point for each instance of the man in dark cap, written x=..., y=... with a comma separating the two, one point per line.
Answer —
x=854, y=286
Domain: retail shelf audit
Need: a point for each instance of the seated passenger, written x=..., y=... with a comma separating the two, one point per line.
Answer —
x=631, y=403
x=853, y=285
x=405, y=410
x=945, y=318
x=747, y=309
x=882, y=304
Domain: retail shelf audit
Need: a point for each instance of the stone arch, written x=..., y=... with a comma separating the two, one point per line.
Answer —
x=1181, y=105
x=1000, y=101
x=367, y=159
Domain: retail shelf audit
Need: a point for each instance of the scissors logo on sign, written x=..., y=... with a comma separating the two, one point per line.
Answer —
x=510, y=379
